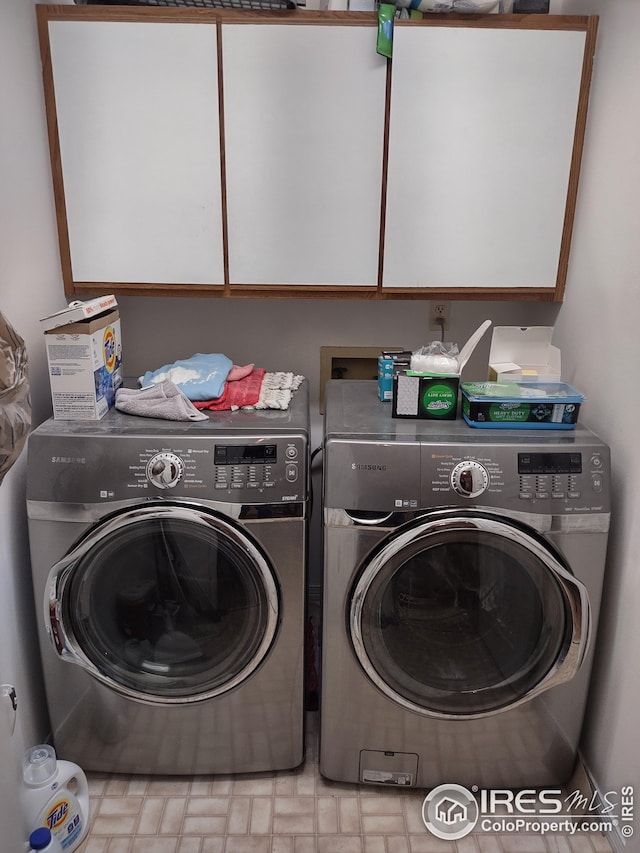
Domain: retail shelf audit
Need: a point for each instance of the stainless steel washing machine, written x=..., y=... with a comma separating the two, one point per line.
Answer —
x=169, y=565
x=462, y=580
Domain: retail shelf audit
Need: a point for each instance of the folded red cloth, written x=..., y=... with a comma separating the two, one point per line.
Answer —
x=239, y=372
x=241, y=392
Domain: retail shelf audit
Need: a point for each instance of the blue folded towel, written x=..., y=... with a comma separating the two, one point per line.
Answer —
x=200, y=377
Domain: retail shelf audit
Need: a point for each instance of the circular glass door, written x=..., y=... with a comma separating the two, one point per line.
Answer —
x=166, y=603
x=466, y=615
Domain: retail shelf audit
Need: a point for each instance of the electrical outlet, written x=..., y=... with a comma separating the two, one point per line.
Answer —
x=439, y=316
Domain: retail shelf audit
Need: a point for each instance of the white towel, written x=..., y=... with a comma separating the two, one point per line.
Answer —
x=277, y=389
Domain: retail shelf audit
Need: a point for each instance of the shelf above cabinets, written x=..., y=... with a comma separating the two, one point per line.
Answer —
x=276, y=154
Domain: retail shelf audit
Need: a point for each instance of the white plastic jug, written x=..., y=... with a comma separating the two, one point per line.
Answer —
x=55, y=795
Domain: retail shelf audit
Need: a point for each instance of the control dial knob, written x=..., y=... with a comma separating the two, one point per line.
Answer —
x=165, y=470
x=469, y=479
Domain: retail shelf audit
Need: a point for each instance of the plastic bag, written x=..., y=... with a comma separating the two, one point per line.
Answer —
x=15, y=400
x=436, y=357
x=201, y=377
x=475, y=6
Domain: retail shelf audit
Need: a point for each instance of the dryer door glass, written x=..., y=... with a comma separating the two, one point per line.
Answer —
x=466, y=618
x=172, y=603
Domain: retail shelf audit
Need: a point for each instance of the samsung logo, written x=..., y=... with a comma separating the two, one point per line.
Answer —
x=356, y=467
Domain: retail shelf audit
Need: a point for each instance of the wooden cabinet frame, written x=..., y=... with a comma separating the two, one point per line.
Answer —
x=552, y=293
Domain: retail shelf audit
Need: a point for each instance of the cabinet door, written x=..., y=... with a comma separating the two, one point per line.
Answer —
x=138, y=129
x=481, y=140
x=304, y=126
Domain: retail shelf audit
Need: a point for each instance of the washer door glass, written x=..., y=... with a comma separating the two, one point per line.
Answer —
x=172, y=603
x=466, y=616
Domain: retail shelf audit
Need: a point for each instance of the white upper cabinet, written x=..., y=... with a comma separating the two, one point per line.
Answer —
x=481, y=138
x=238, y=153
x=304, y=110
x=139, y=141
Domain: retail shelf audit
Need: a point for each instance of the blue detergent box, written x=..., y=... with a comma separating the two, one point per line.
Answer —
x=523, y=405
x=388, y=362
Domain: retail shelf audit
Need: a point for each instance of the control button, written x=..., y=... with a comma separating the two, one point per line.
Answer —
x=236, y=485
x=220, y=486
x=542, y=496
x=596, y=482
x=253, y=485
x=525, y=496
x=165, y=470
x=292, y=452
x=291, y=473
x=557, y=495
x=469, y=479
x=268, y=484
x=573, y=495
x=596, y=461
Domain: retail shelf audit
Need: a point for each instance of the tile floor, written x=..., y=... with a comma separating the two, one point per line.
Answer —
x=285, y=812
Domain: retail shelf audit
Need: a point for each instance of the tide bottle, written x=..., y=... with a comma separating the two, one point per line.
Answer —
x=41, y=841
x=55, y=795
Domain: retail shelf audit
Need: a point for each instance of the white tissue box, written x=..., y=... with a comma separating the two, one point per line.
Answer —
x=85, y=367
x=523, y=354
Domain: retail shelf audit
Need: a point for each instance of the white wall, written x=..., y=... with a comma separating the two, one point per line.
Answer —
x=597, y=329
x=288, y=334
x=29, y=286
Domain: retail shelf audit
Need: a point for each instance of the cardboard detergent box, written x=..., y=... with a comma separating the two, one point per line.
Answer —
x=430, y=397
x=85, y=366
x=523, y=354
x=78, y=310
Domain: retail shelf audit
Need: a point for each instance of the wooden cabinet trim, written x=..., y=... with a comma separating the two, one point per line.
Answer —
x=576, y=156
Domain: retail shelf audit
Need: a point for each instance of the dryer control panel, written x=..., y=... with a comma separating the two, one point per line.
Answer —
x=268, y=469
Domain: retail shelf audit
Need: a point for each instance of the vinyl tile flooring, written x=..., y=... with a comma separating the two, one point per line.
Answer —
x=297, y=811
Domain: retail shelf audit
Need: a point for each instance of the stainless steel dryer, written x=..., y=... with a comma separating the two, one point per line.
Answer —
x=462, y=581
x=169, y=566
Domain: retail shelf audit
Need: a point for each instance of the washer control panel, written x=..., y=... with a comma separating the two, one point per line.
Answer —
x=537, y=480
x=408, y=475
